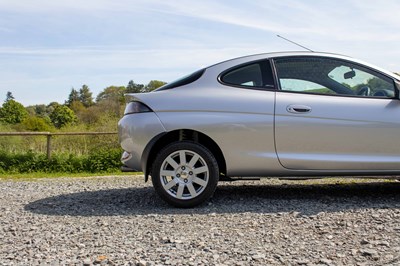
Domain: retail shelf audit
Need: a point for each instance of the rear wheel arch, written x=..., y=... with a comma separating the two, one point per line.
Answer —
x=162, y=140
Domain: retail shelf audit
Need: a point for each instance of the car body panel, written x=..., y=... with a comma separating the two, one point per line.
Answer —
x=348, y=133
x=234, y=123
x=242, y=113
x=241, y=121
x=135, y=132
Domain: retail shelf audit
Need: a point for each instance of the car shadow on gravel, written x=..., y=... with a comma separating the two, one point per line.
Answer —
x=305, y=199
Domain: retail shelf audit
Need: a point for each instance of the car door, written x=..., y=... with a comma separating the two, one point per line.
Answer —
x=332, y=114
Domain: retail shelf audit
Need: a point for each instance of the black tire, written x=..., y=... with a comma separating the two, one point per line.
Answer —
x=185, y=174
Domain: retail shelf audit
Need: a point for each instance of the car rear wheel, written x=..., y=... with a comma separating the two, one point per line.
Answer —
x=185, y=174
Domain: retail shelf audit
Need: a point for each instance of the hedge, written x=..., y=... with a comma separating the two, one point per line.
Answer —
x=99, y=161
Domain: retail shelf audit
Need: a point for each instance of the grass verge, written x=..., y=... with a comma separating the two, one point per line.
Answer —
x=36, y=175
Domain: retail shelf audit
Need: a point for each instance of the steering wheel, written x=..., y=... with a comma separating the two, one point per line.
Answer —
x=384, y=93
x=364, y=91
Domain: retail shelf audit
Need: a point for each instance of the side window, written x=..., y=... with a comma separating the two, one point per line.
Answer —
x=331, y=76
x=362, y=82
x=253, y=75
x=304, y=86
x=248, y=76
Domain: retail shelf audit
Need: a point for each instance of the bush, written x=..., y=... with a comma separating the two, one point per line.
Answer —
x=12, y=112
x=35, y=123
x=104, y=160
x=62, y=116
x=95, y=162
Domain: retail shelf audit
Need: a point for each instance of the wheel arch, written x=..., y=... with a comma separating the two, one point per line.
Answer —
x=160, y=141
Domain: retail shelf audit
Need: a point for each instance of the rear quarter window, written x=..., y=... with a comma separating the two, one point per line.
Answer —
x=257, y=75
x=183, y=81
x=248, y=76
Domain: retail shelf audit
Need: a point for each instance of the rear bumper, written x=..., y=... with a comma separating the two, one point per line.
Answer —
x=135, y=131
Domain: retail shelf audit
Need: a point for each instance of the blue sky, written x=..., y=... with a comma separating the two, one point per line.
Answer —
x=47, y=47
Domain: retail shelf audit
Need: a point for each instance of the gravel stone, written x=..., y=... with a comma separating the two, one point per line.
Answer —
x=121, y=221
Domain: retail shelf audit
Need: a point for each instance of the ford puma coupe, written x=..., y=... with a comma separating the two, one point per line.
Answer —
x=291, y=114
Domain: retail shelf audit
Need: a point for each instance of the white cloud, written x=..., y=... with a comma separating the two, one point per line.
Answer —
x=340, y=20
x=49, y=46
x=60, y=5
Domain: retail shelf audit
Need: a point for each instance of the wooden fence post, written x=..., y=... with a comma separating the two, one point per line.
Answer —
x=48, y=146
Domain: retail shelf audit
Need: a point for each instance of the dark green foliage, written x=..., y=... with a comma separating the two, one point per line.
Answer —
x=94, y=162
x=50, y=108
x=154, y=84
x=12, y=112
x=69, y=153
x=377, y=84
x=41, y=110
x=104, y=160
x=138, y=88
x=112, y=93
x=134, y=87
x=62, y=116
x=85, y=96
x=73, y=97
x=9, y=96
x=35, y=123
x=111, y=99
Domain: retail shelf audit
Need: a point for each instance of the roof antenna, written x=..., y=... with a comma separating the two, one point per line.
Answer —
x=295, y=43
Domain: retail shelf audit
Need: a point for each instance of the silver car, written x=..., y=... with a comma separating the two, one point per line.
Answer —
x=297, y=114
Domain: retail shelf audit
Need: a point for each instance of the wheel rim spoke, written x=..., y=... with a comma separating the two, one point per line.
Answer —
x=199, y=181
x=200, y=170
x=191, y=189
x=179, y=193
x=170, y=184
x=182, y=157
x=172, y=162
x=194, y=160
x=167, y=173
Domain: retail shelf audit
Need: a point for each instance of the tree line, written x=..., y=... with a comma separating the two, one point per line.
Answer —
x=79, y=108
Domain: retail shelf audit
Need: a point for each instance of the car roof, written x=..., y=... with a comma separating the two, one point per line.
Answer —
x=259, y=56
x=262, y=56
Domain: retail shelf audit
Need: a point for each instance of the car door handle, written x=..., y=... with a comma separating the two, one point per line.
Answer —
x=298, y=109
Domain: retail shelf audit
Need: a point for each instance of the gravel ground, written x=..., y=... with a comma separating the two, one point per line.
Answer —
x=121, y=221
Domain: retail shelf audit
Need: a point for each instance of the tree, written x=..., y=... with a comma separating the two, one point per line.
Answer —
x=134, y=87
x=51, y=106
x=377, y=83
x=72, y=97
x=113, y=93
x=62, y=116
x=90, y=116
x=85, y=96
x=154, y=84
x=112, y=99
x=77, y=107
x=9, y=96
x=41, y=110
x=12, y=112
